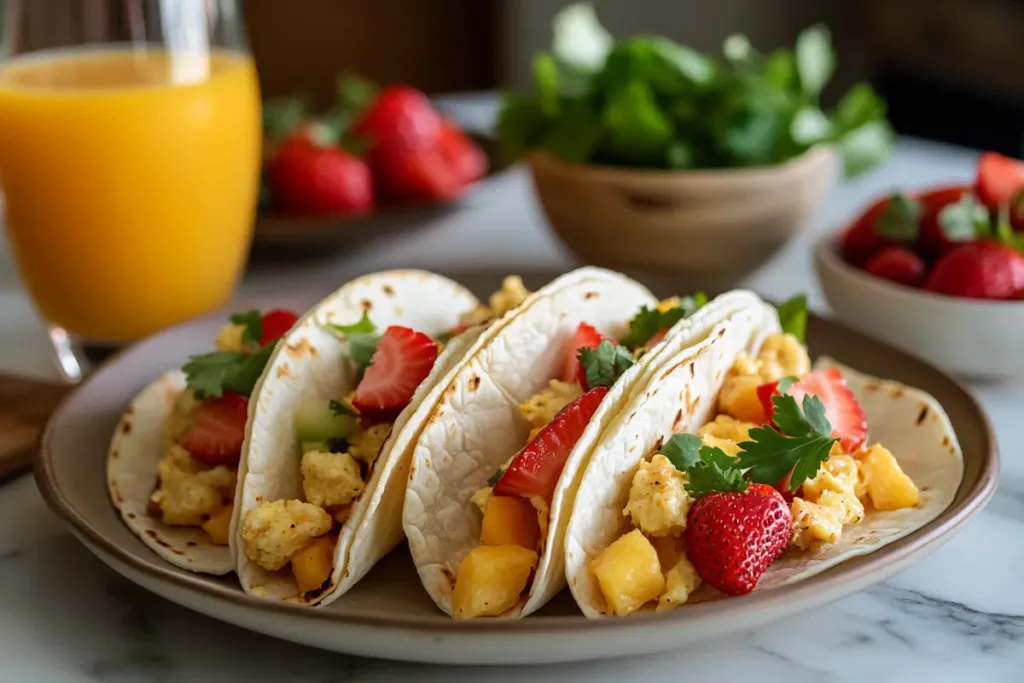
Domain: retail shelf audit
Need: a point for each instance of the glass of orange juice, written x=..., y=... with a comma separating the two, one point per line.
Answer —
x=129, y=161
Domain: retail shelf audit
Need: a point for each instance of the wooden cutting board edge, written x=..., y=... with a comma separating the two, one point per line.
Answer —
x=25, y=406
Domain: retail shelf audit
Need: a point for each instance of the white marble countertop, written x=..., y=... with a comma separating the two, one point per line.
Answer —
x=958, y=615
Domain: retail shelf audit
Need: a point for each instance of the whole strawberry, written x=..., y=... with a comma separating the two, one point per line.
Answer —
x=979, y=270
x=898, y=264
x=399, y=116
x=732, y=537
x=307, y=178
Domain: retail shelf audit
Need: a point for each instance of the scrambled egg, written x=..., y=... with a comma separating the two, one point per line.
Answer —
x=481, y=497
x=230, y=338
x=275, y=531
x=726, y=433
x=365, y=444
x=189, y=493
x=658, y=501
x=680, y=582
x=540, y=408
x=827, y=503
x=511, y=294
x=330, y=478
x=179, y=421
x=781, y=355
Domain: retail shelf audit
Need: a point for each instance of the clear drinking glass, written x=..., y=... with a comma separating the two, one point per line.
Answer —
x=129, y=161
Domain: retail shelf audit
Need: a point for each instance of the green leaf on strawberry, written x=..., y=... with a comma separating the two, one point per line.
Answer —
x=803, y=441
x=355, y=93
x=899, y=220
x=252, y=321
x=283, y=115
x=793, y=316
x=604, y=364
x=964, y=220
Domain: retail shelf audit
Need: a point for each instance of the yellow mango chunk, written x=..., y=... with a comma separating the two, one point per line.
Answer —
x=739, y=399
x=218, y=526
x=888, y=486
x=490, y=580
x=629, y=573
x=312, y=565
x=510, y=520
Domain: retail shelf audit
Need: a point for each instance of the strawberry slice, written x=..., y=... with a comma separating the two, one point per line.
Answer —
x=999, y=179
x=536, y=468
x=849, y=424
x=402, y=360
x=275, y=324
x=586, y=337
x=218, y=429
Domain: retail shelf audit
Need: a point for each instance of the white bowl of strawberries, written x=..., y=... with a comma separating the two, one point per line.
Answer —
x=938, y=272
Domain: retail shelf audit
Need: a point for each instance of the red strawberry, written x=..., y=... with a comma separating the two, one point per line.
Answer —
x=218, y=429
x=849, y=424
x=415, y=175
x=933, y=236
x=402, y=360
x=999, y=179
x=461, y=153
x=732, y=538
x=766, y=490
x=400, y=116
x=585, y=337
x=867, y=235
x=309, y=179
x=275, y=323
x=979, y=270
x=898, y=264
x=536, y=468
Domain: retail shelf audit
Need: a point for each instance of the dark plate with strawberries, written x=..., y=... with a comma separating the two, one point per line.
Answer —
x=383, y=160
x=938, y=271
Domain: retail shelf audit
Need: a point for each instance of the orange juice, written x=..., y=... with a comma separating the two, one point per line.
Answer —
x=129, y=180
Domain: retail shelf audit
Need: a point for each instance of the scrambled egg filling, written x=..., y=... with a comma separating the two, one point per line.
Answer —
x=540, y=408
x=658, y=502
x=273, y=532
x=511, y=294
x=780, y=356
x=330, y=478
x=726, y=433
x=365, y=443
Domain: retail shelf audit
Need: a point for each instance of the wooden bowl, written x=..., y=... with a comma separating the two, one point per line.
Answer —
x=706, y=227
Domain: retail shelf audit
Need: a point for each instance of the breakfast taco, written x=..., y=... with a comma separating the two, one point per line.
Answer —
x=745, y=468
x=494, y=471
x=185, y=432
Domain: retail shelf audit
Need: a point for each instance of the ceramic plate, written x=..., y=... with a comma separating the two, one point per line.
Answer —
x=388, y=614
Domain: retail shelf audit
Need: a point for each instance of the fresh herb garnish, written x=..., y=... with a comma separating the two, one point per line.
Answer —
x=362, y=341
x=965, y=220
x=252, y=322
x=793, y=316
x=211, y=374
x=707, y=468
x=647, y=101
x=649, y=321
x=339, y=408
x=604, y=364
x=493, y=479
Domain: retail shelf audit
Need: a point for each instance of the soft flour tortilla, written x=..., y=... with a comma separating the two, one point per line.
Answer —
x=925, y=447
x=456, y=454
x=135, y=452
x=311, y=363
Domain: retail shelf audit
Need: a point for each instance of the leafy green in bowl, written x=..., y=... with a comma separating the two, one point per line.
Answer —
x=649, y=102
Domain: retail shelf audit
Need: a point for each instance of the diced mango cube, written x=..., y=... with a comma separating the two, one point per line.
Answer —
x=312, y=565
x=490, y=580
x=888, y=486
x=739, y=399
x=629, y=573
x=218, y=526
x=510, y=520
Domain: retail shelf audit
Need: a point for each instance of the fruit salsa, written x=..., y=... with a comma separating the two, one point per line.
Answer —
x=784, y=464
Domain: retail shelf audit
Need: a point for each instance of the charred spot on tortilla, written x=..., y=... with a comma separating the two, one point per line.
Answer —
x=150, y=533
x=673, y=369
x=154, y=511
x=191, y=544
x=283, y=371
x=945, y=440
x=130, y=515
x=115, y=493
x=591, y=295
x=474, y=382
x=172, y=549
x=873, y=386
x=114, y=454
x=126, y=428
x=693, y=371
x=658, y=443
x=691, y=406
x=448, y=574
x=897, y=392
x=923, y=414
x=388, y=290
x=259, y=499
x=426, y=461
x=678, y=420
x=300, y=349
x=129, y=411
x=366, y=304
x=721, y=333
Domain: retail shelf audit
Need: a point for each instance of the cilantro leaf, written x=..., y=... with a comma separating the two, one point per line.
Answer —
x=649, y=321
x=716, y=471
x=682, y=450
x=493, y=479
x=209, y=375
x=605, y=364
x=363, y=326
x=362, y=341
x=339, y=408
x=793, y=316
x=803, y=444
x=253, y=323
x=785, y=383
x=899, y=219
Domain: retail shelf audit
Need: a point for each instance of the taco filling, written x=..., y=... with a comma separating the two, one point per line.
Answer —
x=784, y=466
x=516, y=505
x=341, y=439
x=203, y=435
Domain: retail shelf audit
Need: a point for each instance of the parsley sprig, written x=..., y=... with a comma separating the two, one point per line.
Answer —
x=604, y=364
x=252, y=322
x=649, y=321
x=799, y=447
x=362, y=340
x=211, y=374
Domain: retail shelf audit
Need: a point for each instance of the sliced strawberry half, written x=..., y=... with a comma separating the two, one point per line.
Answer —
x=218, y=430
x=403, y=359
x=849, y=424
x=586, y=337
x=536, y=468
x=275, y=324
